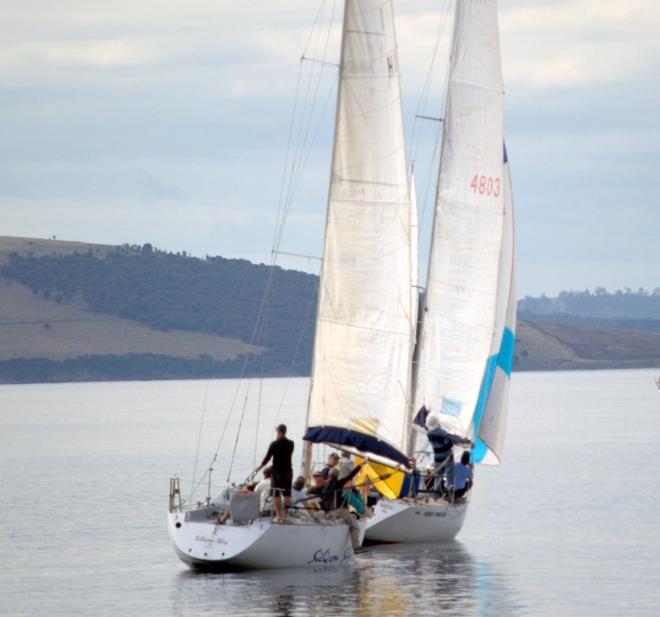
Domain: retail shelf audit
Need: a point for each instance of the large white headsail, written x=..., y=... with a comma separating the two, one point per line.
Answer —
x=363, y=337
x=489, y=420
x=462, y=287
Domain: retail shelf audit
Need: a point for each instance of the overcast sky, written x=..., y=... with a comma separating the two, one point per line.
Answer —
x=166, y=122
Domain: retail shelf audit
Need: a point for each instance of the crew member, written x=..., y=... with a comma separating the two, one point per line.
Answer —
x=280, y=451
x=442, y=444
x=462, y=476
x=334, y=503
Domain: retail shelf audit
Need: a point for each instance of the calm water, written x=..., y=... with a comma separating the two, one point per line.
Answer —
x=568, y=525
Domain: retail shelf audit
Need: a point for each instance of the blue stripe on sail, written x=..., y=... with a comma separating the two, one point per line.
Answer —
x=504, y=360
x=506, y=156
x=359, y=441
x=480, y=449
x=505, y=357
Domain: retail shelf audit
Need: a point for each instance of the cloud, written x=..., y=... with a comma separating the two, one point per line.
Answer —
x=167, y=121
x=103, y=53
x=579, y=43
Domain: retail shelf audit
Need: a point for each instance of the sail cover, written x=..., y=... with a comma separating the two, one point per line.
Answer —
x=362, y=349
x=490, y=415
x=462, y=287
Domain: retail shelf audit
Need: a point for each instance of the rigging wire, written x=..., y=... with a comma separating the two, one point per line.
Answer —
x=199, y=437
x=294, y=357
x=433, y=166
x=297, y=154
x=426, y=88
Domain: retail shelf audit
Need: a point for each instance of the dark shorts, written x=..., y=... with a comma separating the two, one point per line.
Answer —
x=280, y=484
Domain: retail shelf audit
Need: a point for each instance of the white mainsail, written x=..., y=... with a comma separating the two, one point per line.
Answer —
x=462, y=288
x=363, y=341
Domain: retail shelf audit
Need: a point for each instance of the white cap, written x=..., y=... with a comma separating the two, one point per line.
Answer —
x=432, y=420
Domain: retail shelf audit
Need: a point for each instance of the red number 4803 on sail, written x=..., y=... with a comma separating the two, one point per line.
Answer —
x=486, y=185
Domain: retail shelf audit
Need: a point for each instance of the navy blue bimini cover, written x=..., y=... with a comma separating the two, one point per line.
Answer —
x=359, y=441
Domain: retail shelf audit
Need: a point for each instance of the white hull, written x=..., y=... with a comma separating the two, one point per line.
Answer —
x=260, y=544
x=399, y=521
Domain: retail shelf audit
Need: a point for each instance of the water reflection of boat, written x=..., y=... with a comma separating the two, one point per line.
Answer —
x=452, y=580
x=388, y=580
x=309, y=591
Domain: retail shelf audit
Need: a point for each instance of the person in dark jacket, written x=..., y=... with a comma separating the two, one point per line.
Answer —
x=442, y=444
x=281, y=451
x=334, y=503
x=333, y=461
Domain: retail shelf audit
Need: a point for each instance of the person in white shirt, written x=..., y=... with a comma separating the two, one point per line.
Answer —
x=263, y=489
x=297, y=492
x=346, y=464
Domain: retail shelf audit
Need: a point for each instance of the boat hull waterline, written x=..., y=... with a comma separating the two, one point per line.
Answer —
x=398, y=521
x=260, y=544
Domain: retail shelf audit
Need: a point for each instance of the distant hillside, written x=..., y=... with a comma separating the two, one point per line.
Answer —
x=543, y=346
x=75, y=311
x=166, y=292
x=41, y=247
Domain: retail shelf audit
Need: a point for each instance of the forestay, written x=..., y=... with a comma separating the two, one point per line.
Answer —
x=462, y=288
x=363, y=341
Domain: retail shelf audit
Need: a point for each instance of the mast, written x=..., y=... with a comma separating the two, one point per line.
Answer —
x=362, y=348
x=463, y=274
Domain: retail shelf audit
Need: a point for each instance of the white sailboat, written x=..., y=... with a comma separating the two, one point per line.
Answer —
x=363, y=342
x=466, y=336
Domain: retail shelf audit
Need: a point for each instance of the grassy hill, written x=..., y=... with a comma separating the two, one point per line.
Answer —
x=42, y=247
x=543, y=346
x=76, y=311
x=33, y=327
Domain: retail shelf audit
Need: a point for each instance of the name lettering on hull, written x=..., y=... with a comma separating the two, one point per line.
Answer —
x=436, y=514
x=324, y=555
x=208, y=540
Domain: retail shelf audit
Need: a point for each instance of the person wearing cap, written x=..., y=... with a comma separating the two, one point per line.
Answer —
x=281, y=451
x=333, y=502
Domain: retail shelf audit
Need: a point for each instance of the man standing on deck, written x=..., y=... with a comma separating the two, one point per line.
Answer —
x=442, y=444
x=280, y=451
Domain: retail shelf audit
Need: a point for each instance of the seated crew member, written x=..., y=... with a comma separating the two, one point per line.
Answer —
x=314, y=491
x=462, y=476
x=346, y=464
x=333, y=502
x=297, y=492
x=263, y=488
x=280, y=451
x=442, y=444
x=333, y=461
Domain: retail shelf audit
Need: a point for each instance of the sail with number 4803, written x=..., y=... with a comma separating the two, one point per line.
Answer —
x=466, y=331
x=464, y=344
